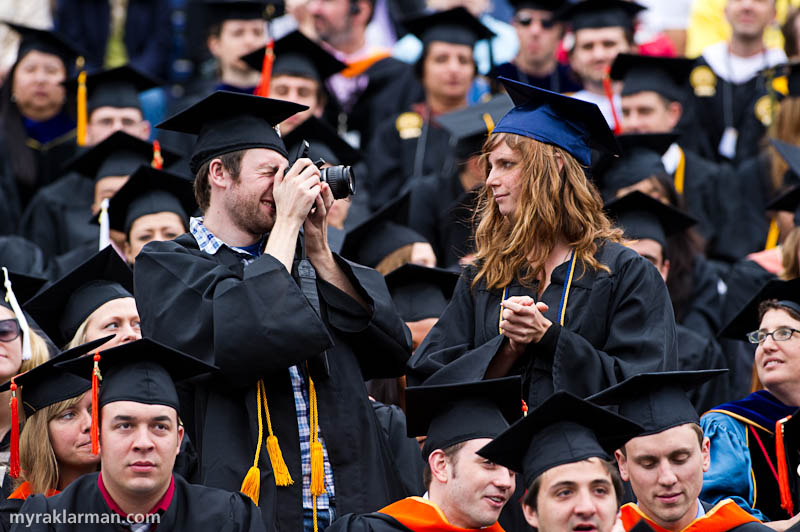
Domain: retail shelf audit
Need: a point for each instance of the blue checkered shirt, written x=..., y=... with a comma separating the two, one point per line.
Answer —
x=211, y=244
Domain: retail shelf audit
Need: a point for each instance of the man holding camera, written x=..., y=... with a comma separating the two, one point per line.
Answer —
x=255, y=289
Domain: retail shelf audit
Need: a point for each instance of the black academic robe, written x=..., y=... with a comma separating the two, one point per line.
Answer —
x=749, y=114
x=700, y=176
x=405, y=148
x=192, y=508
x=256, y=323
x=701, y=311
x=391, y=88
x=617, y=325
x=57, y=218
x=406, y=454
x=441, y=211
x=696, y=352
x=7, y=508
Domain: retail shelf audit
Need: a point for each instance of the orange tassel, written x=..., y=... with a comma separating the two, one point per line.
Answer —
x=610, y=95
x=158, y=160
x=83, y=115
x=14, y=460
x=96, y=405
x=783, y=471
x=524, y=408
x=262, y=89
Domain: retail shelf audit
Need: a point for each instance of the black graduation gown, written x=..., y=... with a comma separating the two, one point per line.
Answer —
x=696, y=352
x=708, y=116
x=702, y=312
x=391, y=88
x=406, y=455
x=192, y=508
x=21, y=255
x=10, y=204
x=700, y=175
x=441, y=211
x=8, y=507
x=399, y=155
x=57, y=218
x=617, y=325
x=256, y=323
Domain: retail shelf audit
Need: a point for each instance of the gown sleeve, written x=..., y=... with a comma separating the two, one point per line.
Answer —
x=34, y=505
x=247, y=324
x=245, y=515
x=729, y=475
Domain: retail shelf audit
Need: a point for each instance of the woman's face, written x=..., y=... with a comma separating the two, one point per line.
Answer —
x=70, y=434
x=778, y=363
x=504, y=178
x=448, y=70
x=37, y=86
x=158, y=226
x=10, y=352
x=118, y=317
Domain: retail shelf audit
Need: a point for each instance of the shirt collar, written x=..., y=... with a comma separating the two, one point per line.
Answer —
x=209, y=243
x=161, y=506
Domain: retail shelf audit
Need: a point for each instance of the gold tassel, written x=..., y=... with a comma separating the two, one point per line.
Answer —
x=317, y=470
x=251, y=485
x=83, y=115
x=279, y=468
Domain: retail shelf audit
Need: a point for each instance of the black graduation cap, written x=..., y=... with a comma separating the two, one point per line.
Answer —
x=600, y=14
x=457, y=26
x=453, y=413
x=469, y=127
x=562, y=430
x=552, y=118
x=642, y=216
x=221, y=10
x=665, y=75
x=419, y=292
x=61, y=307
x=657, y=401
x=117, y=87
x=149, y=191
x=641, y=158
x=142, y=371
x=47, y=41
x=542, y=5
x=746, y=320
x=378, y=236
x=297, y=55
x=118, y=155
x=229, y=121
x=324, y=142
x=47, y=384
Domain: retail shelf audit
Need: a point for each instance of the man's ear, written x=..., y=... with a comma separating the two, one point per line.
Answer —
x=180, y=439
x=217, y=176
x=439, y=464
x=674, y=111
x=531, y=516
x=705, y=449
x=622, y=462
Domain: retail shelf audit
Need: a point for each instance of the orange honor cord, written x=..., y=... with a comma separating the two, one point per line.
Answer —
x=96, y=378
x=13, y=466
x=262, y=89
x=610, y=96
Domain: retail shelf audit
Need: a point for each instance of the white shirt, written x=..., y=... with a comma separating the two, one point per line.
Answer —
x=737, y=69
x=603, y=103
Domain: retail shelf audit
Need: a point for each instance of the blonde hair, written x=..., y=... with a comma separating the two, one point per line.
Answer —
x=37, y=458
x=80, y=335
x=551, y=203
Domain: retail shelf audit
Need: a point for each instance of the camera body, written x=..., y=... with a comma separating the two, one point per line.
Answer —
x=341, y=178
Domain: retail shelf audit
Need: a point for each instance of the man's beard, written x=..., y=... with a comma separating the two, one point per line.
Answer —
x=247, y=214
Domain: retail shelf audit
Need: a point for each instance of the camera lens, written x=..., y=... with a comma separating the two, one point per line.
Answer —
x=341, y=179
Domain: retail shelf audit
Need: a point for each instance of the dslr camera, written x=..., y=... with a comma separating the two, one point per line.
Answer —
x=341, y=179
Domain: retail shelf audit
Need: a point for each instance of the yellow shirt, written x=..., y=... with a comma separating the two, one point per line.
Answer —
x=708, y=25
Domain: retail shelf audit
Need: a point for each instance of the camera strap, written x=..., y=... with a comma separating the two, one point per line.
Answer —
x=307, y=276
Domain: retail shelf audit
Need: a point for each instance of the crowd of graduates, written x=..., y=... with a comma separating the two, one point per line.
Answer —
x=400, y=265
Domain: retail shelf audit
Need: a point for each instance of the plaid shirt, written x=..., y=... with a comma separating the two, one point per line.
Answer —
x=210, y=244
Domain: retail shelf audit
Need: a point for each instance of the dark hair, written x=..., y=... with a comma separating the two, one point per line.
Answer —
x=789, y=32
x=450, y=454
x=419, y=66
x=698, y=431
x=611, y=468
x=774, y=304
x=231, y=162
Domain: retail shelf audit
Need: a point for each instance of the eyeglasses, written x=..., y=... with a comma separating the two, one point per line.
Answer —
x=781, y=334
x=9, y=330
x=527, y=20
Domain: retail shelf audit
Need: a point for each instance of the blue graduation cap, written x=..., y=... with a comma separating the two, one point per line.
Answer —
x=552, y=118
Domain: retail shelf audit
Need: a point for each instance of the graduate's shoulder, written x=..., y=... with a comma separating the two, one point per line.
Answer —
x=373, y=522
x=211, y=499
x=619, y=258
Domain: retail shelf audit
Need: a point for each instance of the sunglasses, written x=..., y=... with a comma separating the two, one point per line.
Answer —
x=527, y=20
x=9, y=330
